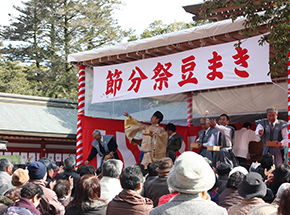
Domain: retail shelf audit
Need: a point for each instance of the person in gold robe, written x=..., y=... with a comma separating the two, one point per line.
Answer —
x=152, y=138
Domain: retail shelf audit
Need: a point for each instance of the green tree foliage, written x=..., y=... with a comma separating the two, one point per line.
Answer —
x=276, y=14
x=14, y=79
x=49, y=30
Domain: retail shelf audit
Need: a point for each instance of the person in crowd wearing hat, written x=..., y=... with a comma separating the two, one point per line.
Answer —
x=110, y=183
x=242, y=139
x=105, y=146
x=31, y=194
x=174, y=141
x=252, y=189
x=49, y=203
x=129, y=200
x=69, y=171
x=191, y=176
x=272, y=129
x=223, y=170
x=48, y=164
x=151, y=138
x=5, y=175
x=230, y=196
x=204, y=137
x=269, y=209
x=20, y=177
x=225, y=139
x=159, y=187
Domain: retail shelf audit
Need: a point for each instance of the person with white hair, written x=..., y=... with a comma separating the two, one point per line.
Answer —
x=270, y=209
x=103, y=145
x=5, y=175
x=274, y=130
x=191, y=176
x=110, y=183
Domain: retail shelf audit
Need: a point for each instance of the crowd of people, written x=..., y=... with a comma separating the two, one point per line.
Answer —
x=190, y=185
x=208, y=182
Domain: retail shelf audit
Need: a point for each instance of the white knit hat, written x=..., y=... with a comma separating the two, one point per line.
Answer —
x=191, y=174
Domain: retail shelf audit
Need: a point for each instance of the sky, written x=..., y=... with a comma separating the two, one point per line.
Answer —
x=135, y=14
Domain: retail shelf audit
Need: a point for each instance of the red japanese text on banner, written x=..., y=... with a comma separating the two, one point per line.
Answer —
x=207, y=67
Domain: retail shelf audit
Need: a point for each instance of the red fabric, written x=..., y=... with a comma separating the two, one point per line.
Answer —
x=115, y=127
x=165, y=198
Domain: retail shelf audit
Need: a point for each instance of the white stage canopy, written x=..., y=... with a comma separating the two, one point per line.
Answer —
x=221, y=96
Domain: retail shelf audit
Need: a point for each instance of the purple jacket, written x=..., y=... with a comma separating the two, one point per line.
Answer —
x=25, y=203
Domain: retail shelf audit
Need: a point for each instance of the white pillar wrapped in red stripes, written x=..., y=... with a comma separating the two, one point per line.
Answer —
x=81, y=111
x=189, y=109
x=288, y=105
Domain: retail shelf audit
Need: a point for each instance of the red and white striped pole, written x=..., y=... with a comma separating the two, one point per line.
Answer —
x=81, y=111
x=288, y=105
x=189, y=110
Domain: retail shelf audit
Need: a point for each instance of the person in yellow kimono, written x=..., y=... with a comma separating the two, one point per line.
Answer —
x=151, y=138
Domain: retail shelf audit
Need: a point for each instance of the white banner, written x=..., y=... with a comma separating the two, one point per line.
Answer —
x=197, y=69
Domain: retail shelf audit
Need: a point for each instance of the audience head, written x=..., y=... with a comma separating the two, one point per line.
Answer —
x=252, y=186
x=239, y=169
x=152, y=169
x=247, y=125
x=234, y=180
x=13, y=194
x=284, y=208
x=164, y=166
x=267, y=161
x=33, y=192
x=281, y=174
x=142, y=168
x=62, y=188
x=36, y=171
x=131, y=178
x=6, y=166
x=87, y=189
x=69, y=163
x=87, y=170
x=112, y=168
x=20, y=177
x=191, y=174
x=281, y=189
x=223, y=169
x=49, y=168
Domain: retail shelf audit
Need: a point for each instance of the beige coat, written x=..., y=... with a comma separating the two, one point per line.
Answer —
x=154, y=145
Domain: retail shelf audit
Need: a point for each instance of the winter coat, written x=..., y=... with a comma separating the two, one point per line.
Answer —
x=92, y=208
x=185, y=204
x=49, y=203
x=129, y=202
